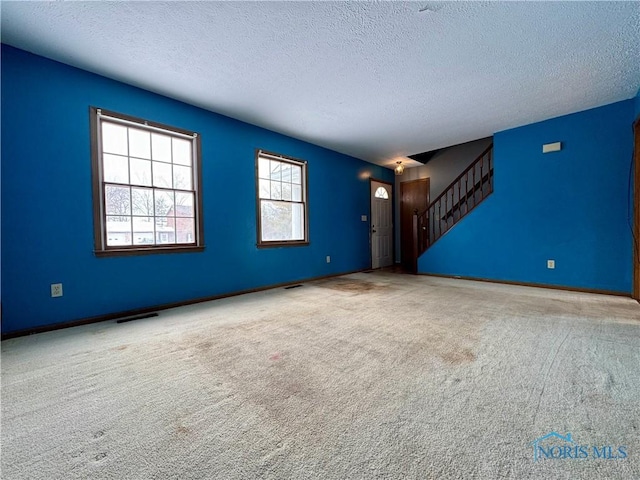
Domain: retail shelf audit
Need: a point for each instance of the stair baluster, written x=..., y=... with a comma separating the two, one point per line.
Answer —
x=433, y=223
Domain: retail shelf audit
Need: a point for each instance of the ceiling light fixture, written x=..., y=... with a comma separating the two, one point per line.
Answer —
x=400, y=168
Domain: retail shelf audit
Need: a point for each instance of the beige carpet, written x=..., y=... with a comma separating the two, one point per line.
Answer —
x=376, y=375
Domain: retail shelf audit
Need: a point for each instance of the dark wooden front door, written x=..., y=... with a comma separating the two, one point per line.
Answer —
x=414, y=195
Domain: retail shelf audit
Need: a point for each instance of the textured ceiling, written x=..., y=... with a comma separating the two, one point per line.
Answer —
x=376, y=80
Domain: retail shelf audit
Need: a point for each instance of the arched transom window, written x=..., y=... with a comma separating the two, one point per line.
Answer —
x=381, y=192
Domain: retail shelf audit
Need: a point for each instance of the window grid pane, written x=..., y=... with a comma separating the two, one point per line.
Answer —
x=133, y=159
x=115, y=168
x=139, y=143
x=279, y=180
x=282, y=207
x=118, y=230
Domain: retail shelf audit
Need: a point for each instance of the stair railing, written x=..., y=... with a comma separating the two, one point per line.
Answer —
x=462, y=195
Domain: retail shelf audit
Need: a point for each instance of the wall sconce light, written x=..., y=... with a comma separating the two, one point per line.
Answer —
x=399, y=169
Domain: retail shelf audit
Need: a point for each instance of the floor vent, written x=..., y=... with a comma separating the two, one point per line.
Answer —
x=292, y=286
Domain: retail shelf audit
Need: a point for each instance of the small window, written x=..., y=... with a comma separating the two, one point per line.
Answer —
x=381, y=192
x=281, y=185
x=146, y=182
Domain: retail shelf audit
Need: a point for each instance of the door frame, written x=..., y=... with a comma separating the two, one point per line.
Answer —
x=393, y=222
x=414, y=261
x=636, y=211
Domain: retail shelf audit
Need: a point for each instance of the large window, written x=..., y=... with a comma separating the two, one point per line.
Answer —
x=146, y=181
x=281, y=200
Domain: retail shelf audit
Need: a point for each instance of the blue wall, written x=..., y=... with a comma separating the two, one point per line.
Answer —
x=637, y=109
x=570, y=206
x=47, y=221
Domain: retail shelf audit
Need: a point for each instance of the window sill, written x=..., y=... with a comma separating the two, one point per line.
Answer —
x=120, y=252
x=282, y=244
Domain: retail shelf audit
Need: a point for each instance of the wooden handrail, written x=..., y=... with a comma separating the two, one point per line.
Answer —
x=463, y=199
x=460, y=197
x=457, y=179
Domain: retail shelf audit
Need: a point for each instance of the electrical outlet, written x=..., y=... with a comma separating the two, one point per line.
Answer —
x=363, y=218
x=328, y=259
x=551, y=264
x=56, y=289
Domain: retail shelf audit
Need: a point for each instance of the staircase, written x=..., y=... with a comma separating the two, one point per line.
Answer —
x=466, y=192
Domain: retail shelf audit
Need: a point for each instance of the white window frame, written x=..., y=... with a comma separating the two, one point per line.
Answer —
x=101, y=247
x=262, y=154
